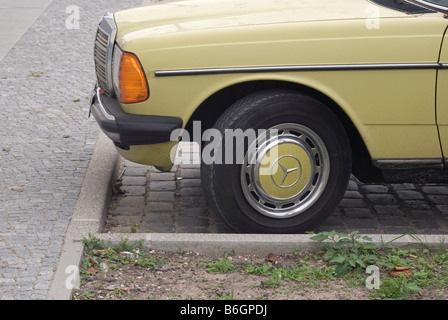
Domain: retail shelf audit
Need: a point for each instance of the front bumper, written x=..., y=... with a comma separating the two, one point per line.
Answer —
x=126, y=129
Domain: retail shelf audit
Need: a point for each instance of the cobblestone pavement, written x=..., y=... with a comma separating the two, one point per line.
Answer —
x=47, y=140
x=173, y=202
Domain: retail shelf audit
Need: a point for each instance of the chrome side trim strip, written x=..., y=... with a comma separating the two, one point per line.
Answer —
x=304, y=68
x=408, y=163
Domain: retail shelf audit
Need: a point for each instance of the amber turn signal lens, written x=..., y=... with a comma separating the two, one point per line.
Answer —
x=133, y=85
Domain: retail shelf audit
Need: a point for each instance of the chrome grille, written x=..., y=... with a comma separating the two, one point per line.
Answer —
x=100, y=55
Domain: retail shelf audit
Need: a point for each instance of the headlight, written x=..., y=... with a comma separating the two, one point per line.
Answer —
x=116, y=69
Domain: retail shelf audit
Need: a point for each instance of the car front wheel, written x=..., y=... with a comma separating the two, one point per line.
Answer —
x=282, y=163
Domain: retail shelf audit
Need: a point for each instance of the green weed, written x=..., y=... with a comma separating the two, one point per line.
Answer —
x=221, y=266
x=399, y=288
x=348, y=251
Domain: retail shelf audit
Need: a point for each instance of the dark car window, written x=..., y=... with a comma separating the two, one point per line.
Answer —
x=403, y=6
x=443, y=3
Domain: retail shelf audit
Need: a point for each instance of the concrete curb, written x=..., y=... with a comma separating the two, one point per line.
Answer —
x=256, y=243
x=88, y=215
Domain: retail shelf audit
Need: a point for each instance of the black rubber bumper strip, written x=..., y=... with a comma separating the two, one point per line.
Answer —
x=128, y=129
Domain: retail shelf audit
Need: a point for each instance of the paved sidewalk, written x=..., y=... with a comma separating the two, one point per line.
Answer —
x=173, y=202
x=46, y=76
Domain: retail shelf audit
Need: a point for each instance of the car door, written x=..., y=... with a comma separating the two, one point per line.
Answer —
x=442, y=99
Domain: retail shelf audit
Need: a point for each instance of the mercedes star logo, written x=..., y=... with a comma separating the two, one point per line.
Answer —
x=289, y=165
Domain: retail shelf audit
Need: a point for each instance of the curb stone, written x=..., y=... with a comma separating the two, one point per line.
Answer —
x=255, y=243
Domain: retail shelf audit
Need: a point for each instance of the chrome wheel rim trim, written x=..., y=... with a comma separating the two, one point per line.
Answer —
x=300, y=181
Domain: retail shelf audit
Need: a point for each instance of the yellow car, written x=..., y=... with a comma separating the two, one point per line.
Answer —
x=286, y=98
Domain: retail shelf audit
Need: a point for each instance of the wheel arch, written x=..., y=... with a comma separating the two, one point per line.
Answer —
x=215, y=105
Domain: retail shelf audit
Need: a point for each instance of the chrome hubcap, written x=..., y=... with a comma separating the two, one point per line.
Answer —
x=285, y=171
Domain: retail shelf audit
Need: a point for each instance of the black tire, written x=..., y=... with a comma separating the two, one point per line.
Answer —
x=310, y=138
